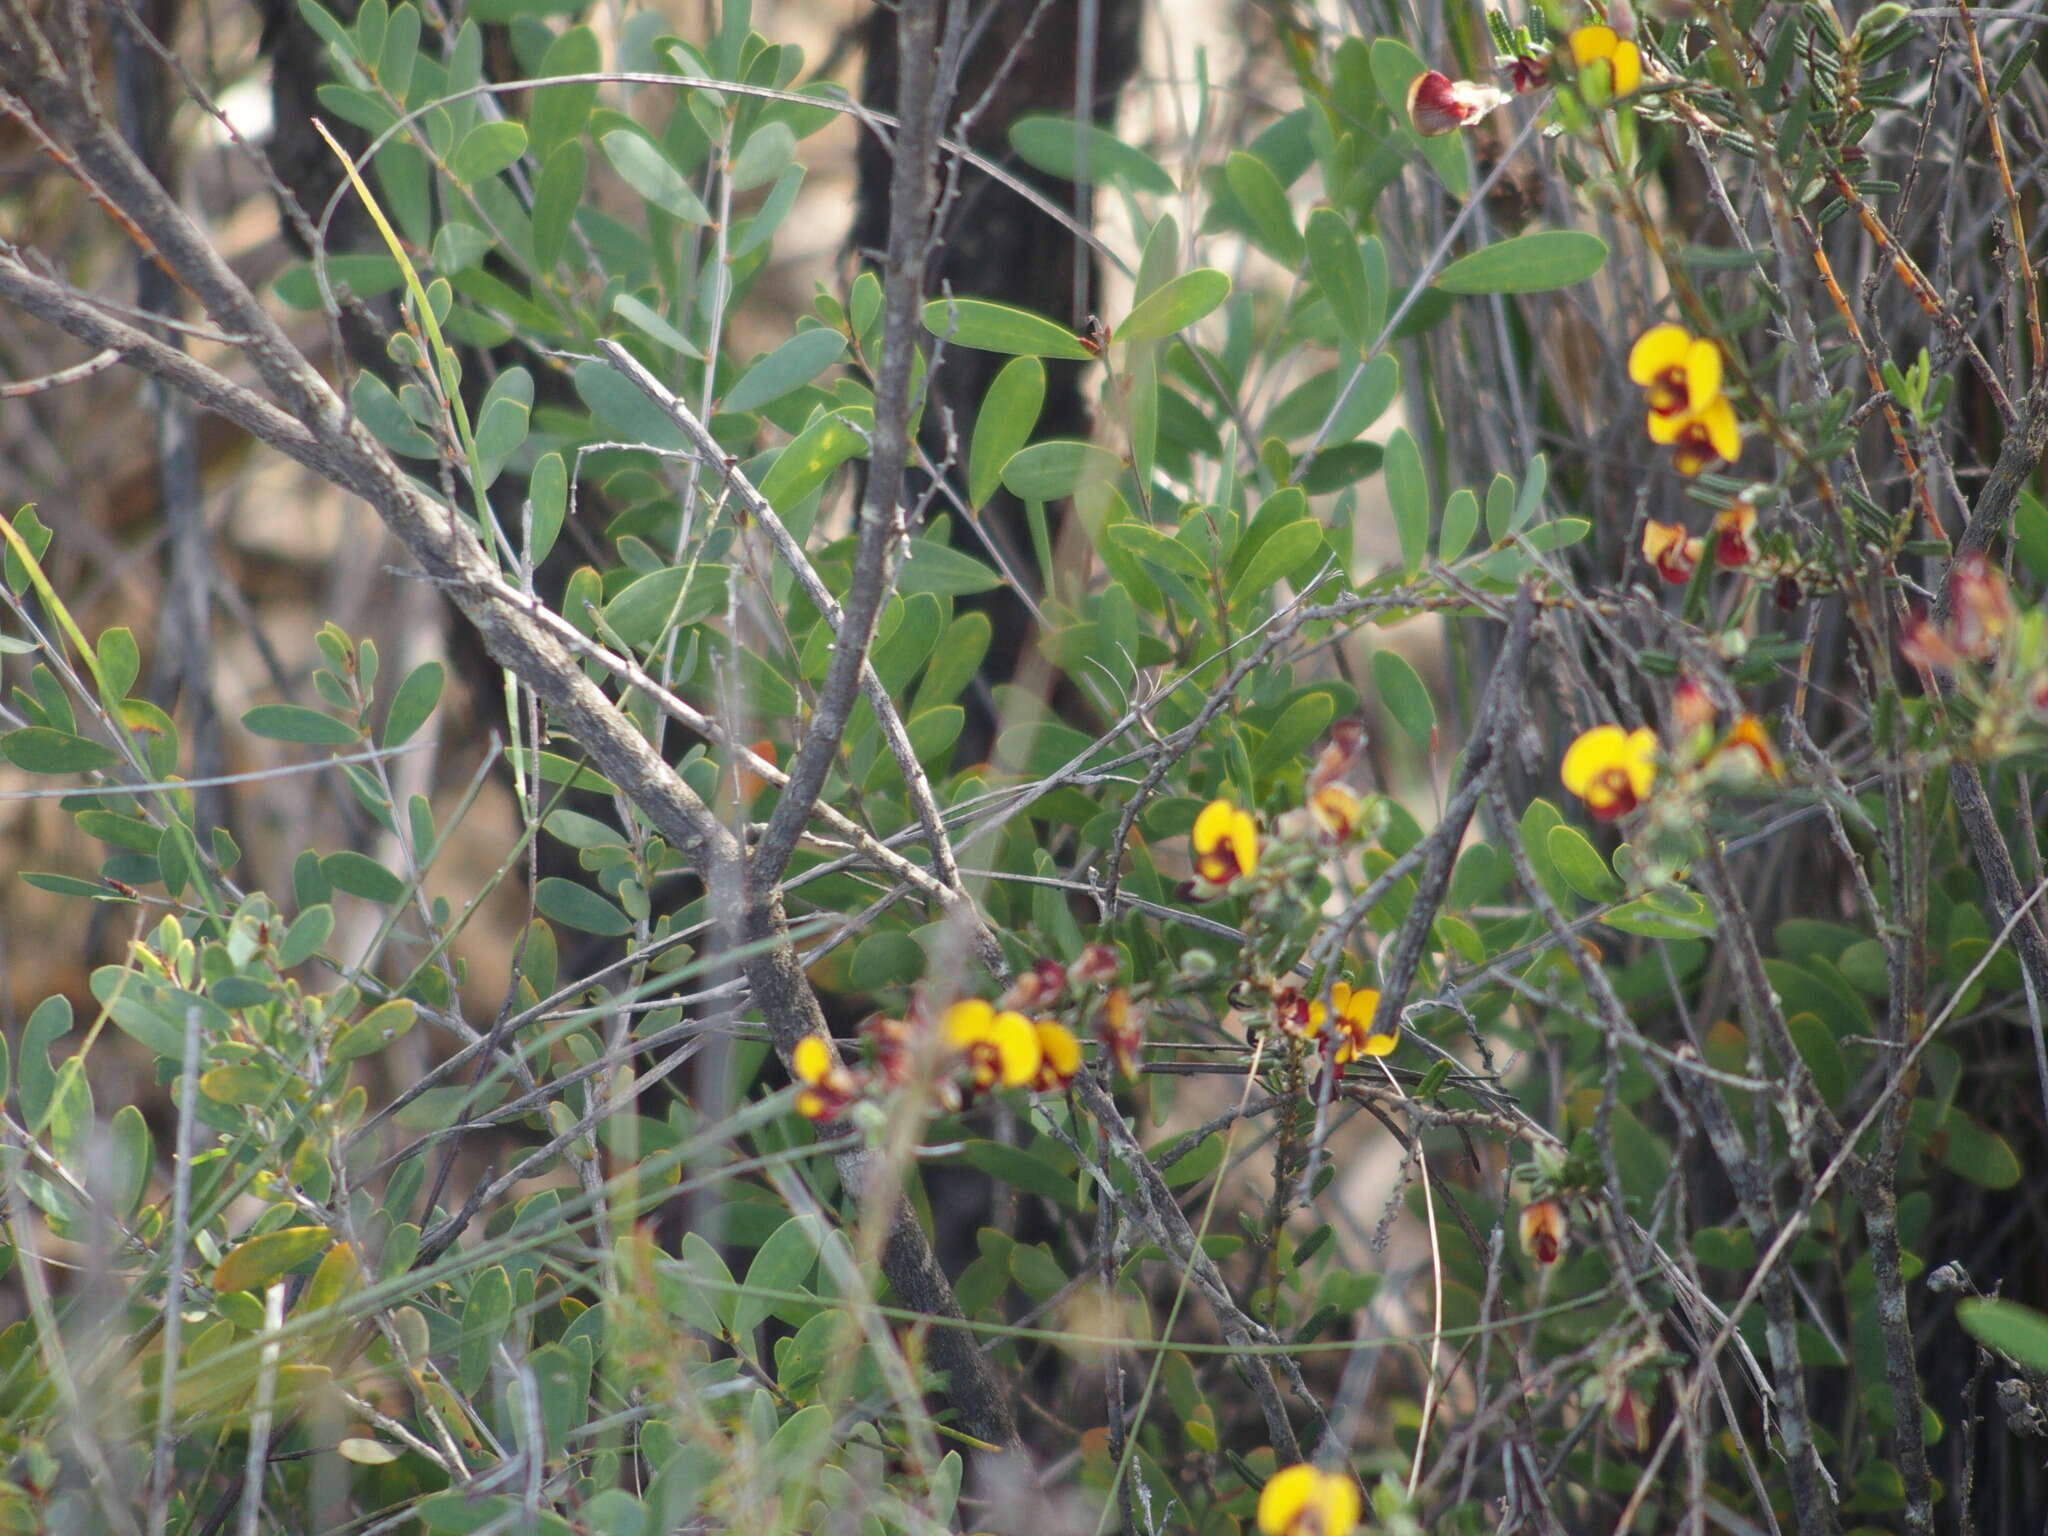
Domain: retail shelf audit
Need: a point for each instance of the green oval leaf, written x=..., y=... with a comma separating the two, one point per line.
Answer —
x=2019, y=1333
x=1264, y=201
x=1056, y=470
x=487, y=149
x=1405, y=696
x=989, y=327
x=1052, y=144
x=38, y=749
x=666, y=599
x=790, y=366
x=644, y=168
x=579, y=907
x=252, y=1265
x=358, y=874
x=1461, y=521
x=1408, y=490
x=1175, y=306
x=294, y=722
x=1579, y=863
x=414, y=702
x=1008, y=413
x=1550, y=258
x=375, y=1030
x=1339, y=269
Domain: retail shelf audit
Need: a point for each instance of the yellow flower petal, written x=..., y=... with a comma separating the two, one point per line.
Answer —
x=1214, y=825
x=1627, y=60
x=1596, y=751
x=811, y=1060
x=1660, y=348
x=1593, y=43
x=1722, y=429
x=1244, y=835
x=1702, y=373
x=1059, y=1054
x=1303, y=1499
x=1017, y=1048
x=1664, y=429
x=967, y=1023
x=1641, y=761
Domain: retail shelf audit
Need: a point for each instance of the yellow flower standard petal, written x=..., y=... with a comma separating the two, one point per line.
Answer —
x=1303, y=1500
x=1657, y=351
x=1226, y=843
x=812, y=1059
x=966, y=1023
x=828, y=1088
x=1610, y=769
x=1059, y=1056
x=1681, y=371
x=1018, y=1052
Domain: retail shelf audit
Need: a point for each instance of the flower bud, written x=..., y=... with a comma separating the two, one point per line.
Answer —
x=1980, y=606
x=1097, y=966
x=1692, y=710
x=1733, y=546
x=1544, y=1229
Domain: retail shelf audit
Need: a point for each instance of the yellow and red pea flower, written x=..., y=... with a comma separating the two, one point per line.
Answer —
x=1680, y=371
x=828, y=1088
x=1353, y=1029
x=1304, y=1500
x=1226, y=842
x=1698, y=439
x=1748, y=736
x=1682, y=374
x=1336, y=811
x=1609, y=65
x=1670, y=552
x=1611, y=770
x=1001, y=1048
x=1059, y=1057
x=1437, y=104
x=1733, y=546
x=1544, y=1229
x=1120, y=1032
